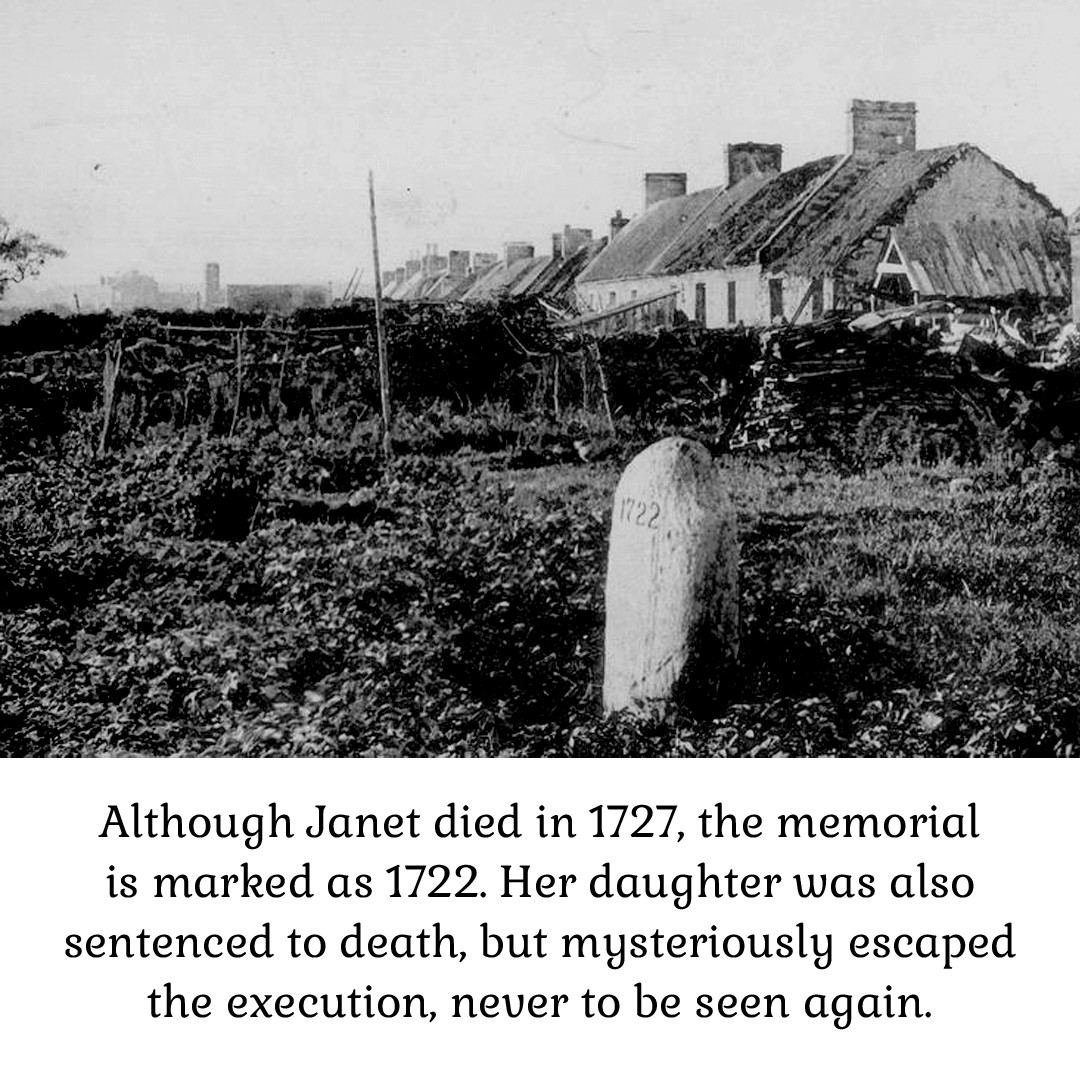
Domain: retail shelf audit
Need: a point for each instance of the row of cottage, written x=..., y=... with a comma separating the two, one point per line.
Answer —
x=884, y=222
x=484, y=276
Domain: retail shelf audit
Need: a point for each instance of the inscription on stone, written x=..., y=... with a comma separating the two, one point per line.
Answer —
x=638, y=512
x=671, y=599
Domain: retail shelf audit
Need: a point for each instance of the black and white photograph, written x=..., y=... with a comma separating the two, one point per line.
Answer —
x=528, y=380
x=539, y=538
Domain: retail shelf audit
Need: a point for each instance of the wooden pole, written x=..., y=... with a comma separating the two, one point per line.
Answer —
x=348, y=287
x=109, y=376
x=802, y=304
x=380, y=329
x=285, y=354
x=595, y=350
x=239, y=381
x=355, y=286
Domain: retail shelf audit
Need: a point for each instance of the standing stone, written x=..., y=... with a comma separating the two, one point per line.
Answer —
x=672, y=594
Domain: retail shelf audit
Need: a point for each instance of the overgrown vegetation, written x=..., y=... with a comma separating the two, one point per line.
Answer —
x=881, y=614
x=158, y=599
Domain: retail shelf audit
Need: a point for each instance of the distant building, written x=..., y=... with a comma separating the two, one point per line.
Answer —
x=883, y=223
x=213, y=297
x=276, y=299
x=134, y=290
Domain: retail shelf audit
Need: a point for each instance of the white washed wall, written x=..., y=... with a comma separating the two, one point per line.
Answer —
x=751, y=294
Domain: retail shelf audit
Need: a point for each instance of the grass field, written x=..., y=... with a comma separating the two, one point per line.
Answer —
x=882, y=611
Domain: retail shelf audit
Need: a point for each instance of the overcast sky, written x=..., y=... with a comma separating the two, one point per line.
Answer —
x=158, y=136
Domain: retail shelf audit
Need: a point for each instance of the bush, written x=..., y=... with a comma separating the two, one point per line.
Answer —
x=909, y=436
x=227, y=489
x=48, y=555
x=32, y=419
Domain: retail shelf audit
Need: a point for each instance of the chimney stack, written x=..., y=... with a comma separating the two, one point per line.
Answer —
x=752, y=159
x=663, y=185
x=617, y=223
x=432, y=262
x=574, y=240
x=880, y=128
x=517, y=250
x=458, y=264
x=556, y=245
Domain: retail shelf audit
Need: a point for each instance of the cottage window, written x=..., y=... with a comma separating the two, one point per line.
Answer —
x=610, y=299
x=894, y=289
x=776, y=298
x=732, y=315
x=699, y=302
x=817, y=298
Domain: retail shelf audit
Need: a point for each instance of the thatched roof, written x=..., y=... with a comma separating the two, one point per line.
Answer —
x=983, y=231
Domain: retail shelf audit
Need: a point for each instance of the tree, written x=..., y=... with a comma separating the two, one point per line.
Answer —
x=22, y=254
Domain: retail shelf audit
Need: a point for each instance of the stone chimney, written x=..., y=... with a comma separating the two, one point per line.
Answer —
x=458, y=264
x=879, y=128
x=574, y=240
x=663, y=185
x=517, y=250
x=433, y=262
x=412, y=267
x=752, y=159
x=399, y=275
x=556, y=245
x=617, y=223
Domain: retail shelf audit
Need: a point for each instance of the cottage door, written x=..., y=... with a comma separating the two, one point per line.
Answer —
x=776, y=299
x=699, y=302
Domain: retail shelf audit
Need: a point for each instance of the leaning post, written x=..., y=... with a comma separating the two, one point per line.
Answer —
x=380, y=327
x=672, y=592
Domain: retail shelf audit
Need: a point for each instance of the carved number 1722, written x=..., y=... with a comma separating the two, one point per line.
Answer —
x=636, y=512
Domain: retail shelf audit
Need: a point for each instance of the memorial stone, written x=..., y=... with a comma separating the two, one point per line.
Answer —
x=672, y=592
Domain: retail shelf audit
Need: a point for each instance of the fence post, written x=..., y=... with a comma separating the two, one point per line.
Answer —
x=672, y=593
x=239, y=380
x=594, y=349
x=110, y=374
